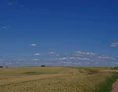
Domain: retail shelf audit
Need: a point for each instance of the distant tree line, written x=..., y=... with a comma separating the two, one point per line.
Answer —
x=1, y=67
x=115, y=67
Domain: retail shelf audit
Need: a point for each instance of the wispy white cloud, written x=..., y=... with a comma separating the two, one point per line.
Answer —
x=74, y=58
x=68, y=62
x=104, y=57
x=35, y=59
x=33, y=45
x=114, y=44
x=92, y=56
x=20, y=59
x=80, y=53
x=114, y=63
x=17, y=62
x=82, y=58
x=52, y=53
x=37, y=54
x=70, y=59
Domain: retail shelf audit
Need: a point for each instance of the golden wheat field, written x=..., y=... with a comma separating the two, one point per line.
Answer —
x=51, y=79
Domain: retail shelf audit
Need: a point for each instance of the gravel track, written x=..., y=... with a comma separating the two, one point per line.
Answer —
x=115, y=87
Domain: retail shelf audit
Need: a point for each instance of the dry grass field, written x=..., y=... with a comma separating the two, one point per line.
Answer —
x=52, y=79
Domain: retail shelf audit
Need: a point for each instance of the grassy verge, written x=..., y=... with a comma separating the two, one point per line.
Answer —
x=107, y=85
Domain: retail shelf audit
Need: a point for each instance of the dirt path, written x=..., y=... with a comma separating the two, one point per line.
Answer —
x=115, y=87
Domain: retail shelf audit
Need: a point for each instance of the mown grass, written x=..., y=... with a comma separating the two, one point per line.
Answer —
x=52, y=79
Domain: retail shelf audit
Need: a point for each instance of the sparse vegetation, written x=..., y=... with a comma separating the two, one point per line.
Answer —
x=54, y=79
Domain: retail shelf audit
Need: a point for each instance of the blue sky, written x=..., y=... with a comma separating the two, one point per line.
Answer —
x=57, y=27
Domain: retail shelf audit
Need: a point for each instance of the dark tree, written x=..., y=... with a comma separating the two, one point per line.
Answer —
x=43, y=66
x=1, y=66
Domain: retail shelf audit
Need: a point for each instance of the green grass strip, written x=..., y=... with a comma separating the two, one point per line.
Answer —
x=107, y=85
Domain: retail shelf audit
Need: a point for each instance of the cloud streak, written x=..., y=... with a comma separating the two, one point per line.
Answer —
x=37, y=54
x=33, y=45
x=114, y=44
x=103, y=57
x=80, y=57
x=51, y=53
x=73, y=58
x=35, y=59
x=80, y=53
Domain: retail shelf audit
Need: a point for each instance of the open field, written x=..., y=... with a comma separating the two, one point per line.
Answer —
x=53, y=79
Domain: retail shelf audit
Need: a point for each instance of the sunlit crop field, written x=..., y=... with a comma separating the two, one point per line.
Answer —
x=52, y=79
